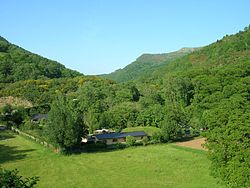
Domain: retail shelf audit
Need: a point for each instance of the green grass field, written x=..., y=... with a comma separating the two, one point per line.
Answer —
x=164, y=165
x=148, y=130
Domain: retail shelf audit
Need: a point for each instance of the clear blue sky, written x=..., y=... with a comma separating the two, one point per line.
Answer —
x=100, y=36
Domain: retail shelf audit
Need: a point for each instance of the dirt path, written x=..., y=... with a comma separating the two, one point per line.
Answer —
x=195, y=144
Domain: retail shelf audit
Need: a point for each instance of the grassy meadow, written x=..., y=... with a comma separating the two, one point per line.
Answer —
x=163, y=165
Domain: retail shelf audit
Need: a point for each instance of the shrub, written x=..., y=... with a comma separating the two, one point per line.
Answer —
x=28, y=125
x=170, y=131
x=145, y=141
x=119, y=145
x=10, y=178
x=130, y=140
x=156, y=138
x=138, y=143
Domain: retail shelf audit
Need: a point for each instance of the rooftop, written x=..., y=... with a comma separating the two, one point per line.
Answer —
x=119, y=135
x=39, y=116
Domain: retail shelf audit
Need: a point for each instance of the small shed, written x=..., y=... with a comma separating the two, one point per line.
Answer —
x=38, y=117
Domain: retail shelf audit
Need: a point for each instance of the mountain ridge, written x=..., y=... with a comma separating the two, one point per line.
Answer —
x=145, y=64
x=18, y=63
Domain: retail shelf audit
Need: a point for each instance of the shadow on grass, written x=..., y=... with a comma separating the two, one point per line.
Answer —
x=184, y=139
x=192, y=150
x=95, y=148
x=4, y=135
x=90, y=150
x=11, y=153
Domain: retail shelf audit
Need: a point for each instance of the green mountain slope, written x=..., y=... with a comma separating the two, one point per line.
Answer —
x=210, y=89
x=145, y=64
x=19, y=64
x=229, y=50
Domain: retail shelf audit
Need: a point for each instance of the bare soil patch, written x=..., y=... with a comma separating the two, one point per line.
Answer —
x=195, y=144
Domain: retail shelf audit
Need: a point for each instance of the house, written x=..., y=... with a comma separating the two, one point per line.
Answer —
x=113, y=138
x=38, y=117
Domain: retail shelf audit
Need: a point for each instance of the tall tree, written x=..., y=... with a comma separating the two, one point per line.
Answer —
x=66, y=124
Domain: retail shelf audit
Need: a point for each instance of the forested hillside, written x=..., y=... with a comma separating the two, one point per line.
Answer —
x=208, y=89
x=146, y=64
x=19, y=64
x=42, y=91
x=27, y=76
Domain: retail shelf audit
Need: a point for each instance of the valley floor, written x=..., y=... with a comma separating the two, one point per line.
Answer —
x=163, y=165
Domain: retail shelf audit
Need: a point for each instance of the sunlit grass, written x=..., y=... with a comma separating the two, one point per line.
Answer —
x=148, y=130
x=152, y=166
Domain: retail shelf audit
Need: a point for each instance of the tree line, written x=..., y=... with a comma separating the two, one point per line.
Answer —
x=208, y=89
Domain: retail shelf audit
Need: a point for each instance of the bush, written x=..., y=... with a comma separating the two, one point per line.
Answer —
x=28, y=125
x=130, y=140
x=120, y=146
x=156, y=138
x=170, y=131
x=138, y=143
x=10, y=178
x=145, y=141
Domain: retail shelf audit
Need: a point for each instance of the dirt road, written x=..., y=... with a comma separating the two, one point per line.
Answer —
x=195, y=144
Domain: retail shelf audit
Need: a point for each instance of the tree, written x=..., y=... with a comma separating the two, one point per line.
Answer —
x=228, y=141
x=13, y=116
x=169, y=129
x=66, y=125
x=123, y=115
x=91, y=121
x=10, y=178
x=175, y=118
x=4, y=45
x=135, y=93
x=6, y=68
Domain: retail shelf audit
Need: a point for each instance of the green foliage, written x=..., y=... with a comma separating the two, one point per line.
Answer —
x=149, y=130
x=145, y=65
x=209, y=89
x=13, y=115
x=11, y=178
x=145, y=141
x=120, y=145
x=170, y=130
x=229, y=142
x=28, y=125
x=156, y=137
x=155, y=165
x=65, y=124
x=41, y=92
x=123, y=115
x=18, y=64
x=130, y=141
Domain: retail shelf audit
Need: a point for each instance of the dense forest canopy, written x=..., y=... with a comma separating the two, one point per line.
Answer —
x=207, y=89
x=19, y=64
x=212, y=87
